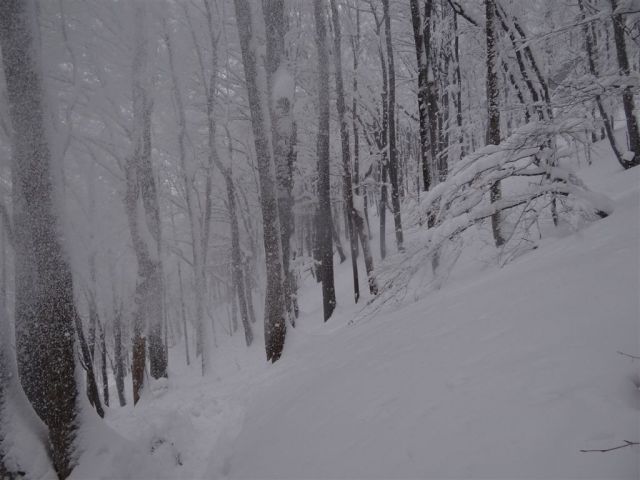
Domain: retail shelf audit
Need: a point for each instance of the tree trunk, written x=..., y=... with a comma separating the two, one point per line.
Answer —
x=44, y=307
x=141, y=196
x=607, y=122
x=103, y=366
x=493, y=111
x=197, y=229
x=248, y=292
x=282, y=131
x=416, y=22
x=236, y=255
x=118, y=355
x=393, y=149
x=275, y=314
x=87, y=360
x=324, y=181
x=344, y=142
x=627, y=94
x=383, y=142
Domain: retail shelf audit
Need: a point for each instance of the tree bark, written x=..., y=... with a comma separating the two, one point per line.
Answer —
x=347, y=188
x=627, y=94
x=282, y=134
x=275, y=314
x=393, y=149
x=324, y=225
x=118, y=355
x=493, y=111
x=44, y=306
x=141, y=193
x=236, y=254
x=416, y=22
x=607, y=122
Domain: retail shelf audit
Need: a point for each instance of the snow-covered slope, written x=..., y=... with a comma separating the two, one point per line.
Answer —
x=502, y=373
x=506, y=376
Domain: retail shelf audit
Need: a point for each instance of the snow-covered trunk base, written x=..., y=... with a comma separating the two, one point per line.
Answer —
x=23, y=436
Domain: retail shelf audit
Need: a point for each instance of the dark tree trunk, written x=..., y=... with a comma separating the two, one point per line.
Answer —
x=382, y=142
x=103, y=365
x=282, y=134
x=393, y=149
x=458, y=80
x=137, y=367
x=87, y=362
x=324, y=225
x=627, y=94
x=416, y=21
x=275, y=314
x=493, y=111
x=607, y=122
x=118, y=355
x=248, y=292
x=344, y=141
x=44, y=308
x=433, y=110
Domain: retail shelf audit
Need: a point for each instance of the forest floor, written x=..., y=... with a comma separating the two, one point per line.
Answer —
x=501, y=373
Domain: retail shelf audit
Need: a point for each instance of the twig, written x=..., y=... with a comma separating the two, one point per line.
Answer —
x=627, y=443
x=633, y=357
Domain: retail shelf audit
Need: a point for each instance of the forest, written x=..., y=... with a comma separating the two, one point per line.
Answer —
x=319, y=239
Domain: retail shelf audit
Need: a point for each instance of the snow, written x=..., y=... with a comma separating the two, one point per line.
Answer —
x=501, y=373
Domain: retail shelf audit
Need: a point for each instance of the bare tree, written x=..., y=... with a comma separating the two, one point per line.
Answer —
x=141, y=202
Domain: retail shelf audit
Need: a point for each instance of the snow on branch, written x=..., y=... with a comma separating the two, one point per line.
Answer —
x=535, y=188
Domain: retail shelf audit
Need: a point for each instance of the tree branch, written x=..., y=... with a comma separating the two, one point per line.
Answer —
x=458, y=9
x=627, y=443
x=633, y=357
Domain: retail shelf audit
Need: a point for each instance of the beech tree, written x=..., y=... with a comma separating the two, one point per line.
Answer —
x=275, y=313
x=44, y=304
x=493, y=110
x=141, y=203
x=324, y=219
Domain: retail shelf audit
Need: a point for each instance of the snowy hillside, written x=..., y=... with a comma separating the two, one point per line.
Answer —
x=506, y=373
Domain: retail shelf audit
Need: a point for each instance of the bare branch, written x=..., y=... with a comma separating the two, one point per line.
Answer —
x=627, y=443
x=633, y=357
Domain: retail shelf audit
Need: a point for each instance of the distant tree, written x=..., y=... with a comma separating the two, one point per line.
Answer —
x=141, y=203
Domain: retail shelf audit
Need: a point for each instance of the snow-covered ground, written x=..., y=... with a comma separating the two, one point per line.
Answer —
x=502, y=373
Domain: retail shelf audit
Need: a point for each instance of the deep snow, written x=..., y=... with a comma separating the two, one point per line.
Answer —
x=502, y=373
